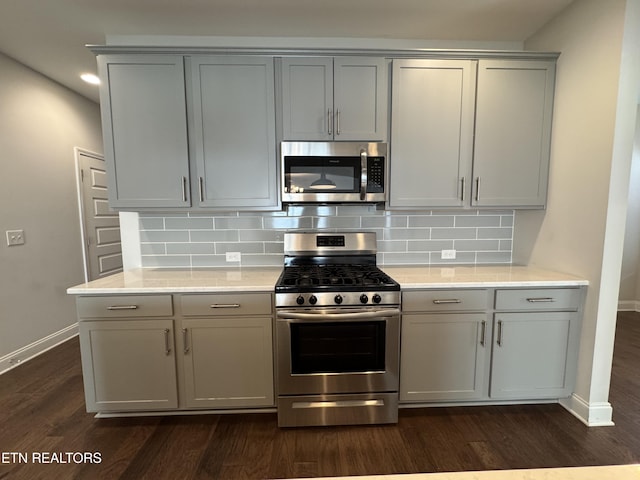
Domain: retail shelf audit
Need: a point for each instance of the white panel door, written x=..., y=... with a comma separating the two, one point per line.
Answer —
x=100, y=224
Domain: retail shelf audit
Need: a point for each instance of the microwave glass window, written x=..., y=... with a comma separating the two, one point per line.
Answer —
x=330, y=178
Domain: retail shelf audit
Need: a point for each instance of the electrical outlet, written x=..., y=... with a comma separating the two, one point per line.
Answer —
x=233, y=256
x=448, y=254
x=15, y=237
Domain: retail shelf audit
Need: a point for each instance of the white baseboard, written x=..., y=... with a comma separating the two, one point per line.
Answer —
x=597, y=414
x=629, y=306
x=36, y=348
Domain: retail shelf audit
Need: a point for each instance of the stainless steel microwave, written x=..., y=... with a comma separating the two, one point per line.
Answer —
x=340, y=172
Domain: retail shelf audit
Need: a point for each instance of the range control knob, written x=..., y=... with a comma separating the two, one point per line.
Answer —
x=364, y=298
x=376, y=298
x=300, y=300
x=313, y=299
x=338, y=299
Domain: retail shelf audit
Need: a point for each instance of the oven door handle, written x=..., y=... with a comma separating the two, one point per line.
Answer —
x=323, y=316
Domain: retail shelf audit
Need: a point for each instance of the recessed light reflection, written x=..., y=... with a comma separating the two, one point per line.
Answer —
x=90, y=78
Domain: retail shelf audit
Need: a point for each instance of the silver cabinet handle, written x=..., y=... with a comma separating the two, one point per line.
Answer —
x=446, y=301
x=338, y=122
x=477, y=189
x=499, y=341
x=201, y=188
x=329, y=122
x=339, y=404
x=167, y=341
x=122, y=307
x=363, y=174
x=463, y=181
x=541, y=300
x=225, y=305
x=322, y=316
x=483, y=332
x=185, y=340
x=184, y=189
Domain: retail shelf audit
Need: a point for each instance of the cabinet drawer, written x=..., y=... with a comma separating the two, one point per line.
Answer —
x=226, y=304
x=444, y=300
x=124, y=306
x=538, y=299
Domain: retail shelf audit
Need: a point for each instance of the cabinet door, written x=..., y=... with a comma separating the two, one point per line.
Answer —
x=431, y=132
x=360, y=98
x=145, y=130
x=128, y=365
x=228, y=362
x=513, y=133
x=443, y=357
x=307, y=98
x=531, y=355
x=234, y=142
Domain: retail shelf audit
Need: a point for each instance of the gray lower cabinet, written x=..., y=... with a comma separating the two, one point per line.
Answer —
x=213, y=351
x=535, y=343
x=128, y=365
x=144, y=122
x=128, y=352
x=227, y=355
x=445, y=345
x=232, y=101
x=453, y=350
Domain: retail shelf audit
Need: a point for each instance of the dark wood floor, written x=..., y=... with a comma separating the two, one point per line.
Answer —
x=42, y=410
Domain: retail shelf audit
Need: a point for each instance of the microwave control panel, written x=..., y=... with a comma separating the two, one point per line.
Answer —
x=375, y=174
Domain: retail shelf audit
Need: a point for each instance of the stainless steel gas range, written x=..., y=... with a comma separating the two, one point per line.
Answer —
x=337, y=332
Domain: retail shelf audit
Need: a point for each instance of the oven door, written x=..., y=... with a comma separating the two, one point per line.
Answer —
x=328, y=351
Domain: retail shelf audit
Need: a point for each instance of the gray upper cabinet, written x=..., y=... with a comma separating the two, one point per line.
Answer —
x=470, y=133
x=513, y=133
x=341, y=98
x=145, y=130
x=431, y=132
x=233, y=132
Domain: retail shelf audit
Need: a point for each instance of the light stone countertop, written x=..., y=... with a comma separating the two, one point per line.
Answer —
x=263, y=279
x=616, y=472
x=209, y=280
x=417, y=277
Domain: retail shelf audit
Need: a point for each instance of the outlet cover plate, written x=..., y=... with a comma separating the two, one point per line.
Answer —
x=15, y=237
x=448, y=254
x=233, y=256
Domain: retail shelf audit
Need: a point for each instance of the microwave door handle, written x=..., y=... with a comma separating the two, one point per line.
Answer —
x=363, y=174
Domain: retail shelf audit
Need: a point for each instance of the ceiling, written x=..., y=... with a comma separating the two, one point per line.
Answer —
x=50, y=35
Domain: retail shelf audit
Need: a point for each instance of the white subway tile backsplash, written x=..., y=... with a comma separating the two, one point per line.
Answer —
x=404, y=238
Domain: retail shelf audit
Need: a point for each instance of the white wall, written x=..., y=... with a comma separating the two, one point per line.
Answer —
x=582, y=230
x=40, y=124
x=629, y=297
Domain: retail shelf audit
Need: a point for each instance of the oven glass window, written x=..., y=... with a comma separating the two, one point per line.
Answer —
x=337, y=347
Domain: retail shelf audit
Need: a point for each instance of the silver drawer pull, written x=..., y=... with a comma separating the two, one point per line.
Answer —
x=541, y=300
x=447, y=300
x=225, y=305
x=122, y=307
x=339, y=403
